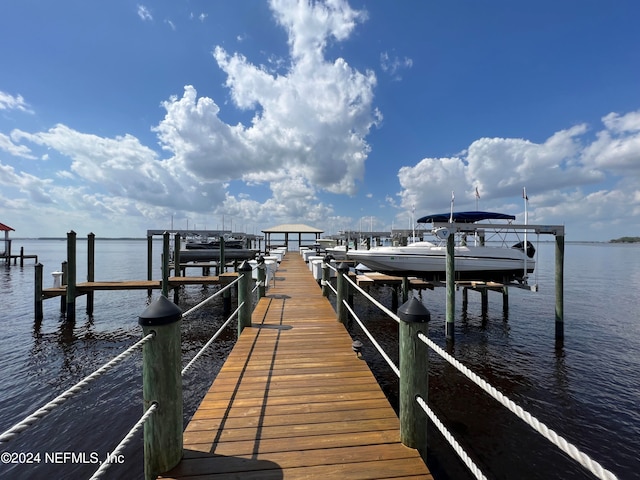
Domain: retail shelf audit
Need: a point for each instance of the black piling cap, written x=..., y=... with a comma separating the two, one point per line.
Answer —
x=161, y=312
x=343, y=267
x=327, y=258
x=244, y=267
x=413, y=311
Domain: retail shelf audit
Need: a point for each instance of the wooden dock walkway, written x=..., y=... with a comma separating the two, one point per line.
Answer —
x=293, y=400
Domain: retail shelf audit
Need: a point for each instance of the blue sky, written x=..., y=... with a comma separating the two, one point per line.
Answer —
x=116, y=117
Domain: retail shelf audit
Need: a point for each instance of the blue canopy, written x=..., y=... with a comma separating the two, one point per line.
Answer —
x=466, y=217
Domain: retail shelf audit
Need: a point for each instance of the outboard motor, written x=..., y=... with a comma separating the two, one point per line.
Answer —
x=531, y=250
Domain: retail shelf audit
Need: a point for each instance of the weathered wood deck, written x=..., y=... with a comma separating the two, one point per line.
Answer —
x=293, y=401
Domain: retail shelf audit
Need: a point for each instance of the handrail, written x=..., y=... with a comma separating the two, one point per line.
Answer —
x=568, y=448
x=393, y=366
x=60, y=399
x=174, y=314
x=389, y=313
x=207, y=300
x=211, y=340
x=451, y=439
x=124, y=442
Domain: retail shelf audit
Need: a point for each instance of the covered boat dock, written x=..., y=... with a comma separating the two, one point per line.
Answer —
x=289, y=229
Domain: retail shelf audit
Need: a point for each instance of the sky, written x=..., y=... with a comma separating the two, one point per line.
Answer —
x=121, y=116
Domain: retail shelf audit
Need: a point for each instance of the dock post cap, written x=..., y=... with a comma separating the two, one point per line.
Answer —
x=327, y=258
x=161, y=312
x=343, y=267
x=413, y=311
x=244, y=267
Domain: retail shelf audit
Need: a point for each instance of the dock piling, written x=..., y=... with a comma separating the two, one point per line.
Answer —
x=414, y=378
x=559, y=288
x=451, y=288
x=162, y=384
x=262, y=277
x=91, y=253
x=71, y=275
x=343, y=292
x=38, y=291
x=165, y=264
x=244, y=296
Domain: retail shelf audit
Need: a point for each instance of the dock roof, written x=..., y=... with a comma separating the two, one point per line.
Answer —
x=292, y=228
x=5, y=228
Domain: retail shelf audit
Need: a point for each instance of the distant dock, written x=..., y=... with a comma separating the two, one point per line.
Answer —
x=7, y=256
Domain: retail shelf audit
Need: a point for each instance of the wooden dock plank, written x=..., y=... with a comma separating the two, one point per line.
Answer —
x=294, y=401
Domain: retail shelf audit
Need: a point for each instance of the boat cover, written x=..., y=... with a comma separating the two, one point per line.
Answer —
x=465, y=217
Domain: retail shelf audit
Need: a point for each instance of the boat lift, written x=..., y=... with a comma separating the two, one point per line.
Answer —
x=453, y=228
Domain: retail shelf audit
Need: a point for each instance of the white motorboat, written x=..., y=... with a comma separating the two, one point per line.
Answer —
x=428, y=259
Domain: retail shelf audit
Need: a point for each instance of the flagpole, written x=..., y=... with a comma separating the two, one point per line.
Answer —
x=413, y=224
x=526, y=222
x=452, y=199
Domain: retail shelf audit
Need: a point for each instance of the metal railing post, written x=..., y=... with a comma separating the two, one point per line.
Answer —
x=414, y=374
x=162, y=384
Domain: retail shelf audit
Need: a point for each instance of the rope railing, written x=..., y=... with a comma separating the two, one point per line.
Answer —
x=451, y=440
x=207, y=300
x=393, y=366
x=389, y=313
x=211, y=340
x=571, y=450
x=568, y=448
x=18, y=428
x=124, y=442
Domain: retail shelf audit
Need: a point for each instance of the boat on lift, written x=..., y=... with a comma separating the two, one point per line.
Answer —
x=427, y=260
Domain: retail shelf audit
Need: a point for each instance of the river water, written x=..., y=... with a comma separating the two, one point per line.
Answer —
x=587, y=389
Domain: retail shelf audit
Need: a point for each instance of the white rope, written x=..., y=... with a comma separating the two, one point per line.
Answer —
x=374, y=301
x=60, y=399
x=124, y=442
x=450, y=438
x=216, y=335
x=568, y=448
x=395, y=369
x=326, y=283
x=201, y=304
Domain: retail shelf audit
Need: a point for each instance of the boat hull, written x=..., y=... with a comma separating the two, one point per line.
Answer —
x=470, y=263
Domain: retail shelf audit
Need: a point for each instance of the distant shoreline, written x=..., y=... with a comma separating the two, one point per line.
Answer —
x=625, y=240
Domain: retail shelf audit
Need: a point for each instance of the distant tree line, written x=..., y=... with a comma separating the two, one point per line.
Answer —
x=626, y=240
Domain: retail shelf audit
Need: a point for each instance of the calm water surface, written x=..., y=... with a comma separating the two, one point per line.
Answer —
x=587, y=390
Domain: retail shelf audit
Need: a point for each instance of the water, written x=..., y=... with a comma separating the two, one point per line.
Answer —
x=40, y=360
x=587, y=390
